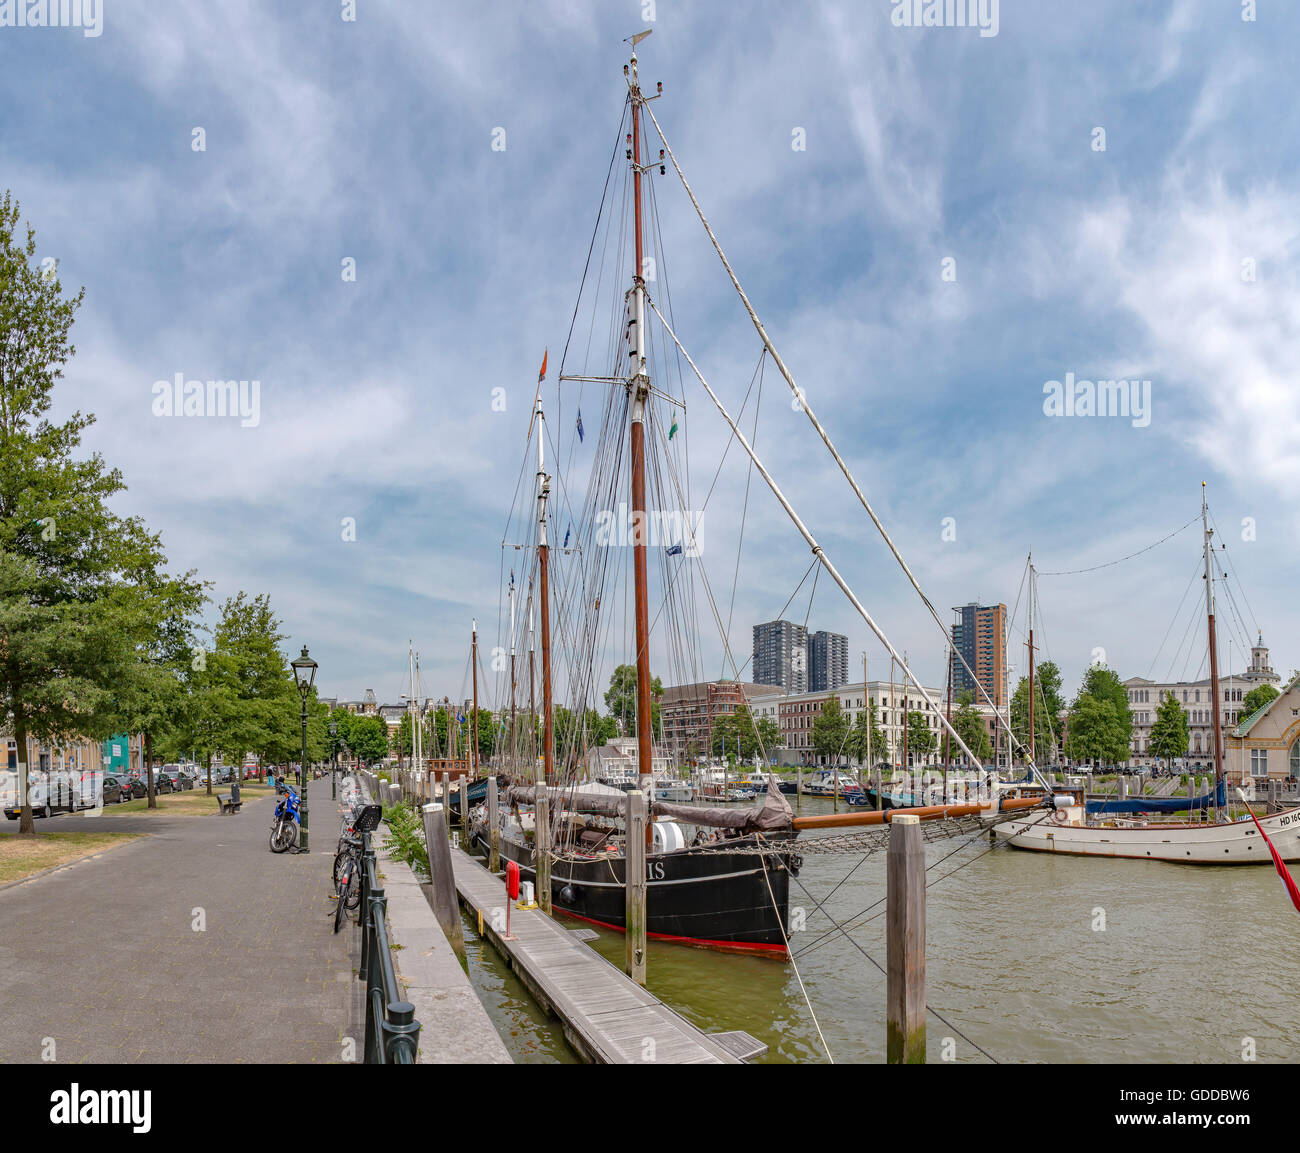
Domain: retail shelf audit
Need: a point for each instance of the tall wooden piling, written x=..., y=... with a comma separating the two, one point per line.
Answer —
x=905, y=950
x=446, y=907
x=494, y=828
x=464, y=812
x=542, y=845
x=635, y=883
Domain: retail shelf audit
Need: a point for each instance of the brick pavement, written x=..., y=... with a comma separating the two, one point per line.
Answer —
x=103, y=957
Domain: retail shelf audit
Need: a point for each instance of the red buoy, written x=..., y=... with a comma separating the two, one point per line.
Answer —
x=512, y=880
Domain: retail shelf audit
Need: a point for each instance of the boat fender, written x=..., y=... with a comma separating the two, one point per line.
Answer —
x=567, y=895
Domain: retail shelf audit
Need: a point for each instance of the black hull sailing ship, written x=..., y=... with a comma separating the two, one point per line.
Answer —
x=733, y=899
x=715, y=877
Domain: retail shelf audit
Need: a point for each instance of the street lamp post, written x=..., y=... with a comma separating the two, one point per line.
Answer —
x=304, y=675
x=334, y=759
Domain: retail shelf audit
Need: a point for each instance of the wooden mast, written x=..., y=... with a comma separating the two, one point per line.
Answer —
x=544, y=590
x=1032, y=758
x=1214, y=658
x=532, y=687
x=514, y=736
x=907, y=724
x=473, y=718
x=947, y=740
x=639, y=388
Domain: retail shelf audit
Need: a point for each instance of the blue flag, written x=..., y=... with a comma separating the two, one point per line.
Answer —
x=579, y=426
x=460, y=718
x=567, y=531
x=675, y=550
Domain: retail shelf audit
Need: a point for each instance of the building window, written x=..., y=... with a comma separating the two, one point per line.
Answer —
x=1259, y=762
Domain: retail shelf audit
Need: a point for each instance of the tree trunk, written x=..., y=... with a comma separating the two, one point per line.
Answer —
x=26, y=823
x=209, y=774
x=148, y=761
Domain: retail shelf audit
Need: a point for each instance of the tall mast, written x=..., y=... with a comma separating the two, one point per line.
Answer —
x=514, y=737
x=947, y=740
x=543, y=567
x=1032, y=758
x=417, y=743
x=410, y=703
x=532, y=688
x=473, y=717
x=907, y=719
x=1214, y=655
x=638, y=386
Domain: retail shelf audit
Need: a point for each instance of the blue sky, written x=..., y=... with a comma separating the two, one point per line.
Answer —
x=328, y=139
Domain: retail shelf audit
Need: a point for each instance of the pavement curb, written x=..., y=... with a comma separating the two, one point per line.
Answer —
x=455, y=1028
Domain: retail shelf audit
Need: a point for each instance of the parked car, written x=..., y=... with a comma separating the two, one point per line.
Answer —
x=162, y=783
x=47, y=793
x=137, y=786
x=110, y=791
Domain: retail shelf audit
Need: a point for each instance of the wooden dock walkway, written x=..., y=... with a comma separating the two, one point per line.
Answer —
x=607, y=1017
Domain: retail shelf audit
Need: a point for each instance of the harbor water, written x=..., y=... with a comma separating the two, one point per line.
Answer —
x=1029, y=957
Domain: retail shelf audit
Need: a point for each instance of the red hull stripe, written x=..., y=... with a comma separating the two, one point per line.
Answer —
x=701, y=942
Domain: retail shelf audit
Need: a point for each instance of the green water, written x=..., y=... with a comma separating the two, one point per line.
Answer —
x=1032, y=957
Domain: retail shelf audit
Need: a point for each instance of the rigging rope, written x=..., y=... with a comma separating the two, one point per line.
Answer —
x=1112, y=563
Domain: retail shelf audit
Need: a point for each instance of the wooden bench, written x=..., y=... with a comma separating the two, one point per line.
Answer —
x=226, y=804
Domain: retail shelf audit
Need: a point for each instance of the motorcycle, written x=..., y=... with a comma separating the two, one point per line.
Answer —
x=288, y=816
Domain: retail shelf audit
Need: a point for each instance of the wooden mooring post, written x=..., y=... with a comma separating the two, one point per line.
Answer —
x=635, y=886
x=494, y=828
x=905, y=949
x=542, y=846
x=446, y=905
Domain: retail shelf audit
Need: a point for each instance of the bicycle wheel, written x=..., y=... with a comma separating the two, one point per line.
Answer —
x=351, y=894
x=341, y=859
x=339, y=912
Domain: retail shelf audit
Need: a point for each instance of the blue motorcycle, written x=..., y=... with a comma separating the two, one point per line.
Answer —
x=288, y=816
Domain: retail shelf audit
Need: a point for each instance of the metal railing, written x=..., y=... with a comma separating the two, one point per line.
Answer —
x=392, y=1032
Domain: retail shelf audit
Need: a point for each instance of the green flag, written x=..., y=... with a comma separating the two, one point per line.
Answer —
x=673, y=430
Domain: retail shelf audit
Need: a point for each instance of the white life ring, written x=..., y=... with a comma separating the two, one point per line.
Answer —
x=1060, y=816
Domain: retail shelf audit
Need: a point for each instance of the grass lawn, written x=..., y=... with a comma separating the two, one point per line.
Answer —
x=22, y=856
x=195, y=803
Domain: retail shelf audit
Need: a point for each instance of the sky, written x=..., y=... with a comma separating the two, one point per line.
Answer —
x=931, y=222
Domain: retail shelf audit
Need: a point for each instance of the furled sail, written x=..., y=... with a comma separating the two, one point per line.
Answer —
x=1160, y=804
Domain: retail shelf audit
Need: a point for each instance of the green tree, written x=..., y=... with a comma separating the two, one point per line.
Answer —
x=969, y=725
x=405, y=737
x=149, y=692
x=830, y=730
x=879, y=744
x=70, y=568
x=369, y=739
x=920, y=738
x=1043, y=722
x=267, y=719
x=1257, y=698
x=1110, y=729
x=620, y=699
x=1169, y=730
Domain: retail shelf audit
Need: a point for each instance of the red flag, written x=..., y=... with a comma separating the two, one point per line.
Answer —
x=1282, y=871
x=541, y=376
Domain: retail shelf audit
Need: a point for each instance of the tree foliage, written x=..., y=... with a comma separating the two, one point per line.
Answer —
x=1169, y=732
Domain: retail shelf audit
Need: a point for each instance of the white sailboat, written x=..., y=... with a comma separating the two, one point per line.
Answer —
x=1066, y=829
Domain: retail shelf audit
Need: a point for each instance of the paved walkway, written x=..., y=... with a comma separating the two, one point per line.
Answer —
x=104, y=958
